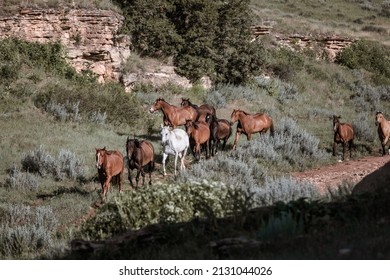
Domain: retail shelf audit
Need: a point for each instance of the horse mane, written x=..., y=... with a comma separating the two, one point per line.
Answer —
x=246, y=113
x=160, y=99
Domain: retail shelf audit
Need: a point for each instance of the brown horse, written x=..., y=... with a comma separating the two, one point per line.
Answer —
x=110, y=166
x=383, y=130
x=343, y=133
x=220, y=129
x=174, y=116
x=202, y=109
x=140, y=154
x=251, y=123
x=199, y=134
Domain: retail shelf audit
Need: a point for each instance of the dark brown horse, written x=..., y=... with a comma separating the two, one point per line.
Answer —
x=199, y=134
x=174, y=116
x=110, y=166
x=343, y=133
x=220, y=129
x=202, y=109
x=140, y=154
x=251, y=123
x=383, y=130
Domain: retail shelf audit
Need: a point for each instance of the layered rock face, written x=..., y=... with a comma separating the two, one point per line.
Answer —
x=325, y=47
x=90, y=37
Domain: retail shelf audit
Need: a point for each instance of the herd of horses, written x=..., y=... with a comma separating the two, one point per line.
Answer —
x=203, y=131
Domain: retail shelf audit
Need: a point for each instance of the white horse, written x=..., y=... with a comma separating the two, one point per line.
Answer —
x=174, y=142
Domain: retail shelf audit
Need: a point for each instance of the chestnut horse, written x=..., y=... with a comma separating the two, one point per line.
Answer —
x=251, y=123
x=343, y=133
x=174, y=116
x=140, y=154
x=383, y=130
x=202, y=109
x=220, y=129
x=110, y=166
x=199, y=133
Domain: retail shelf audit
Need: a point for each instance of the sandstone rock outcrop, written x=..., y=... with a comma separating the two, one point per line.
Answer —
x=325, y=47
x=91, y=37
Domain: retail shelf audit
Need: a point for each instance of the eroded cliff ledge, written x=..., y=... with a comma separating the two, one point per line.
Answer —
x=91, y=37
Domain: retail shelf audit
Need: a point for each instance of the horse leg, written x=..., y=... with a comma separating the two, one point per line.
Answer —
x=120, y=175
x=106, y=185
x=137, y=177
x=163, y=163
x=236, y=139
x=343, y=151
x=176, y=156
x=182, y=156
x=129, y=177
x=143, y=176
x=249, y=136
x=350, y=148
x=197, y=151
x=208, y=149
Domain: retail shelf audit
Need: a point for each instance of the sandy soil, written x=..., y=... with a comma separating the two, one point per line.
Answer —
x=367, y=173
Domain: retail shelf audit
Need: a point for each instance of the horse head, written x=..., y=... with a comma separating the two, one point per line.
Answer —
x=190, y=126
x=100, y=155
x=378, y=117
x=165, y=135
x=156, y=105
x=336, y=122
x=234, y=116
x=185, y=102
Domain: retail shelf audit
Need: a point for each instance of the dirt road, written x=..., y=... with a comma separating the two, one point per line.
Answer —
x=367, y=173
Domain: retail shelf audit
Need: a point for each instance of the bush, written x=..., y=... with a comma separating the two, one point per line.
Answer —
x=21, y=181
x=368, y=55
x=65, y=165
x=25, y=230
x=166, y=203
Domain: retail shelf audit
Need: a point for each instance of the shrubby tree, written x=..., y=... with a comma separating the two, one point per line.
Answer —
x=367, y=55
x=204, y=37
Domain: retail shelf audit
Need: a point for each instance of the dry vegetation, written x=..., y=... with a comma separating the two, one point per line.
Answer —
x=52, y=119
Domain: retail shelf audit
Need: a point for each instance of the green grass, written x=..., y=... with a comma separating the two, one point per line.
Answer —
x=309, y=94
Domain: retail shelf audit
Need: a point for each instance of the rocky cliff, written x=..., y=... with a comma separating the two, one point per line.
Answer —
x=91, y=37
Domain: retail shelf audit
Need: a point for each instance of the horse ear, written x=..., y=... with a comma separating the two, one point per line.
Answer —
x=162, y=126
x=339, y=117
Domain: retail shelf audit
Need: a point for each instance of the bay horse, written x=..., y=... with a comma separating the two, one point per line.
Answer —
x=220, y=129
x=343, y=133
x=140, y=154
x=173, y=115
x=251, y=123
x=383, y=130
x=175, y=142
x=199, y=133
x=202, y=109
x=110, y=166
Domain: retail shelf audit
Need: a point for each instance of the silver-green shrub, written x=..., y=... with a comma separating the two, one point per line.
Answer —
x=19, y=180
x=25, y=230
x=65, y=165
x=364, y=127
x=251, y=166
x=224, y=94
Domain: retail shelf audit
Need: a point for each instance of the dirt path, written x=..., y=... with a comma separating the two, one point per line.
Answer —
x=365, y=172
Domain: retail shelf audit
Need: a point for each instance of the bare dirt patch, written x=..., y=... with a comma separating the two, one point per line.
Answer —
x=367, y=173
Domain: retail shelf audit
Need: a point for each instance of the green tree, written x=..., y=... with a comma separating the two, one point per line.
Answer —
x=152, y=32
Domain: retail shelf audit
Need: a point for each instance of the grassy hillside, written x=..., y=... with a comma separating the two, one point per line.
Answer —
x=52, y=119
x=354, y=18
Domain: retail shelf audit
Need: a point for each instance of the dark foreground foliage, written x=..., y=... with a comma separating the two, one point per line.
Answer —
x=355, y=228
